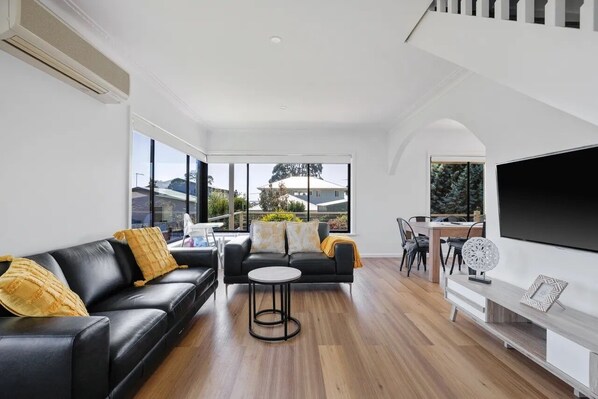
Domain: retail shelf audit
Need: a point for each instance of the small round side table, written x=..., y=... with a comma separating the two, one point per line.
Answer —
x=275, y=275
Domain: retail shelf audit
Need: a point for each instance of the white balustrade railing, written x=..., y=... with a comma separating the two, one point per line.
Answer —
x=555, y=11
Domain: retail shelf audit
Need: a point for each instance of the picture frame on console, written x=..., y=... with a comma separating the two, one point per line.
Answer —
x=544, y=292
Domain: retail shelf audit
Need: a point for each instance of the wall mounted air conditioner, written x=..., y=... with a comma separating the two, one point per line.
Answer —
x=34, y=34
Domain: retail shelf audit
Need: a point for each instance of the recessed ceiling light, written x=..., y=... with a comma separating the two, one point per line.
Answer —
x=276, y=39
x=283, y=107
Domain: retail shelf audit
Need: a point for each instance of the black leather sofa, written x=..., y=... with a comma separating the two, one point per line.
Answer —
x=315, y=267
x=129, y=331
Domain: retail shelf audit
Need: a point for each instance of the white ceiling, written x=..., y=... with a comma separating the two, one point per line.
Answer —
x=341, y=63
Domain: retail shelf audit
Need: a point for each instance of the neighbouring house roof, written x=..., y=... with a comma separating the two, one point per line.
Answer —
x=340, y=201
x=164, y=192
x=300, y=183
x=312, y=207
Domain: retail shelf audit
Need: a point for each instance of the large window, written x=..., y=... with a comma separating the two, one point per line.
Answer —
x=228, y=204
x=167, y=183
x=457, y=190
x=165, y=186
x=281, y=191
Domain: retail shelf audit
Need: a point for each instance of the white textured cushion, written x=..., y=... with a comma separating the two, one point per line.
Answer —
x=268, y=237
x=303, y=237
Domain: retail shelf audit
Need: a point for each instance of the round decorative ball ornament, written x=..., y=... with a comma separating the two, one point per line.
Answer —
x=480, y=254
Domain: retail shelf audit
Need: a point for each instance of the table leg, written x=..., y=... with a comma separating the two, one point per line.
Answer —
x=286, y=310
x=249, y=310
x=434, y=272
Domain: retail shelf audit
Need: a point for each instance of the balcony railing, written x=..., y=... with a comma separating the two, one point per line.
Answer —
x=238, y=220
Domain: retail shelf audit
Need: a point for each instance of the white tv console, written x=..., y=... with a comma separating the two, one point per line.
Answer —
x=563, y=341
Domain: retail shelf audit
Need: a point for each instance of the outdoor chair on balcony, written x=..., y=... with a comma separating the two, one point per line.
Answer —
x=204, y=230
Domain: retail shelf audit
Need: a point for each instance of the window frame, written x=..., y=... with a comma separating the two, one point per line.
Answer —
x=152, y=174
x=308, y=193
x=474, y=158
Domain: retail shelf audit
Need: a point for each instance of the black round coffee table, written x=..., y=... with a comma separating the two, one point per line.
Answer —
x=275, y=275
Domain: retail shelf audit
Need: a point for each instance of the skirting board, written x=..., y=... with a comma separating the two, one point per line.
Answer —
x=381, y=255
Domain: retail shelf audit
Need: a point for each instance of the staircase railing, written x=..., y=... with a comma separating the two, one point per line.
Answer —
x=577, y=14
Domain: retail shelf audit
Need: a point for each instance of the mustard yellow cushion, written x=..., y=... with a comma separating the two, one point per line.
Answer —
x=267, y=237
x=150, y=251
x=303, y=237
x=27, y=289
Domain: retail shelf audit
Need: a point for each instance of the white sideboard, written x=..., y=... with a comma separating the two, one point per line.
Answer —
x=563, y=341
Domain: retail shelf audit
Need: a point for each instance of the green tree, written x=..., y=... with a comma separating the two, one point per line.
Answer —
x=193, y=177
x=178, y=184
x=296, y=206
x=449, y=185
x=280, y=217
x=274, y=199
x=282, y=171
x=217, y=204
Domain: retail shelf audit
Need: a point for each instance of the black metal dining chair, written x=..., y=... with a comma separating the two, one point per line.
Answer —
x=457, y=245
x=413, y=246
x=424, y=219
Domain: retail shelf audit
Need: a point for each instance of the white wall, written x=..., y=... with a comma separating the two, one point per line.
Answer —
x=64, y=169
x=377, y=197
x=514, y=126
x=441, y=138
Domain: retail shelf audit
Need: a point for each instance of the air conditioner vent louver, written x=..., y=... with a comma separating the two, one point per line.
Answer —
x=40, y=38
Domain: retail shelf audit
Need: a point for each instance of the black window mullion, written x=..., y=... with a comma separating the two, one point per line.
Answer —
x=308, y=190
x=187, y=186
x=247, y=201
x=151, y=182
x=468, y=192
x=202, y=172
x=348, y=198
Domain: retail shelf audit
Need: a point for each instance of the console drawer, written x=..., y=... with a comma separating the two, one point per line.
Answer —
x=473, y=309
x=466, y=293
x=568, y=356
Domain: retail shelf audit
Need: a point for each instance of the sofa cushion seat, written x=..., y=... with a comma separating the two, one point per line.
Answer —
x=133, y=333
x=255, y=261
x=175, y=299
x=313, y=263
x=201, y=277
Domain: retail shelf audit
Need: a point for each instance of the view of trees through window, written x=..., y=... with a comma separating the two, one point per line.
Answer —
x=457, y=189
x=284, y=191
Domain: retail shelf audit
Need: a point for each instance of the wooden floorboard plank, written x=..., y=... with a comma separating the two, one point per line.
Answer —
x=390, y=338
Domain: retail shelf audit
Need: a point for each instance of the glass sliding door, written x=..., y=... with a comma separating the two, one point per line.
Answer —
x=170, y=190
x=141, y=211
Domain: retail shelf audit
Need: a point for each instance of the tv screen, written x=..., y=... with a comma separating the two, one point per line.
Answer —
x=551, y=199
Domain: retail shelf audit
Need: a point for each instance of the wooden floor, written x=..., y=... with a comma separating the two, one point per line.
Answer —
x=390, y=339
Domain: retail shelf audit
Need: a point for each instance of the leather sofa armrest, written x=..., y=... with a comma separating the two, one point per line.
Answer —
x=197, y=257
x=55, y=357
x=344, y=256
x=234, y=252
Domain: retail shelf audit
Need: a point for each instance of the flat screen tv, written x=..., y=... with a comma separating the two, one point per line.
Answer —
x=551, y=199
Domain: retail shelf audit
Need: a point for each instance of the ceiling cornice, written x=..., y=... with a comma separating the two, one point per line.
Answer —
x=126, y=55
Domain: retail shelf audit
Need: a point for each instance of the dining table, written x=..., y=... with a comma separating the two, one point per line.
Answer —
x=437, y=230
